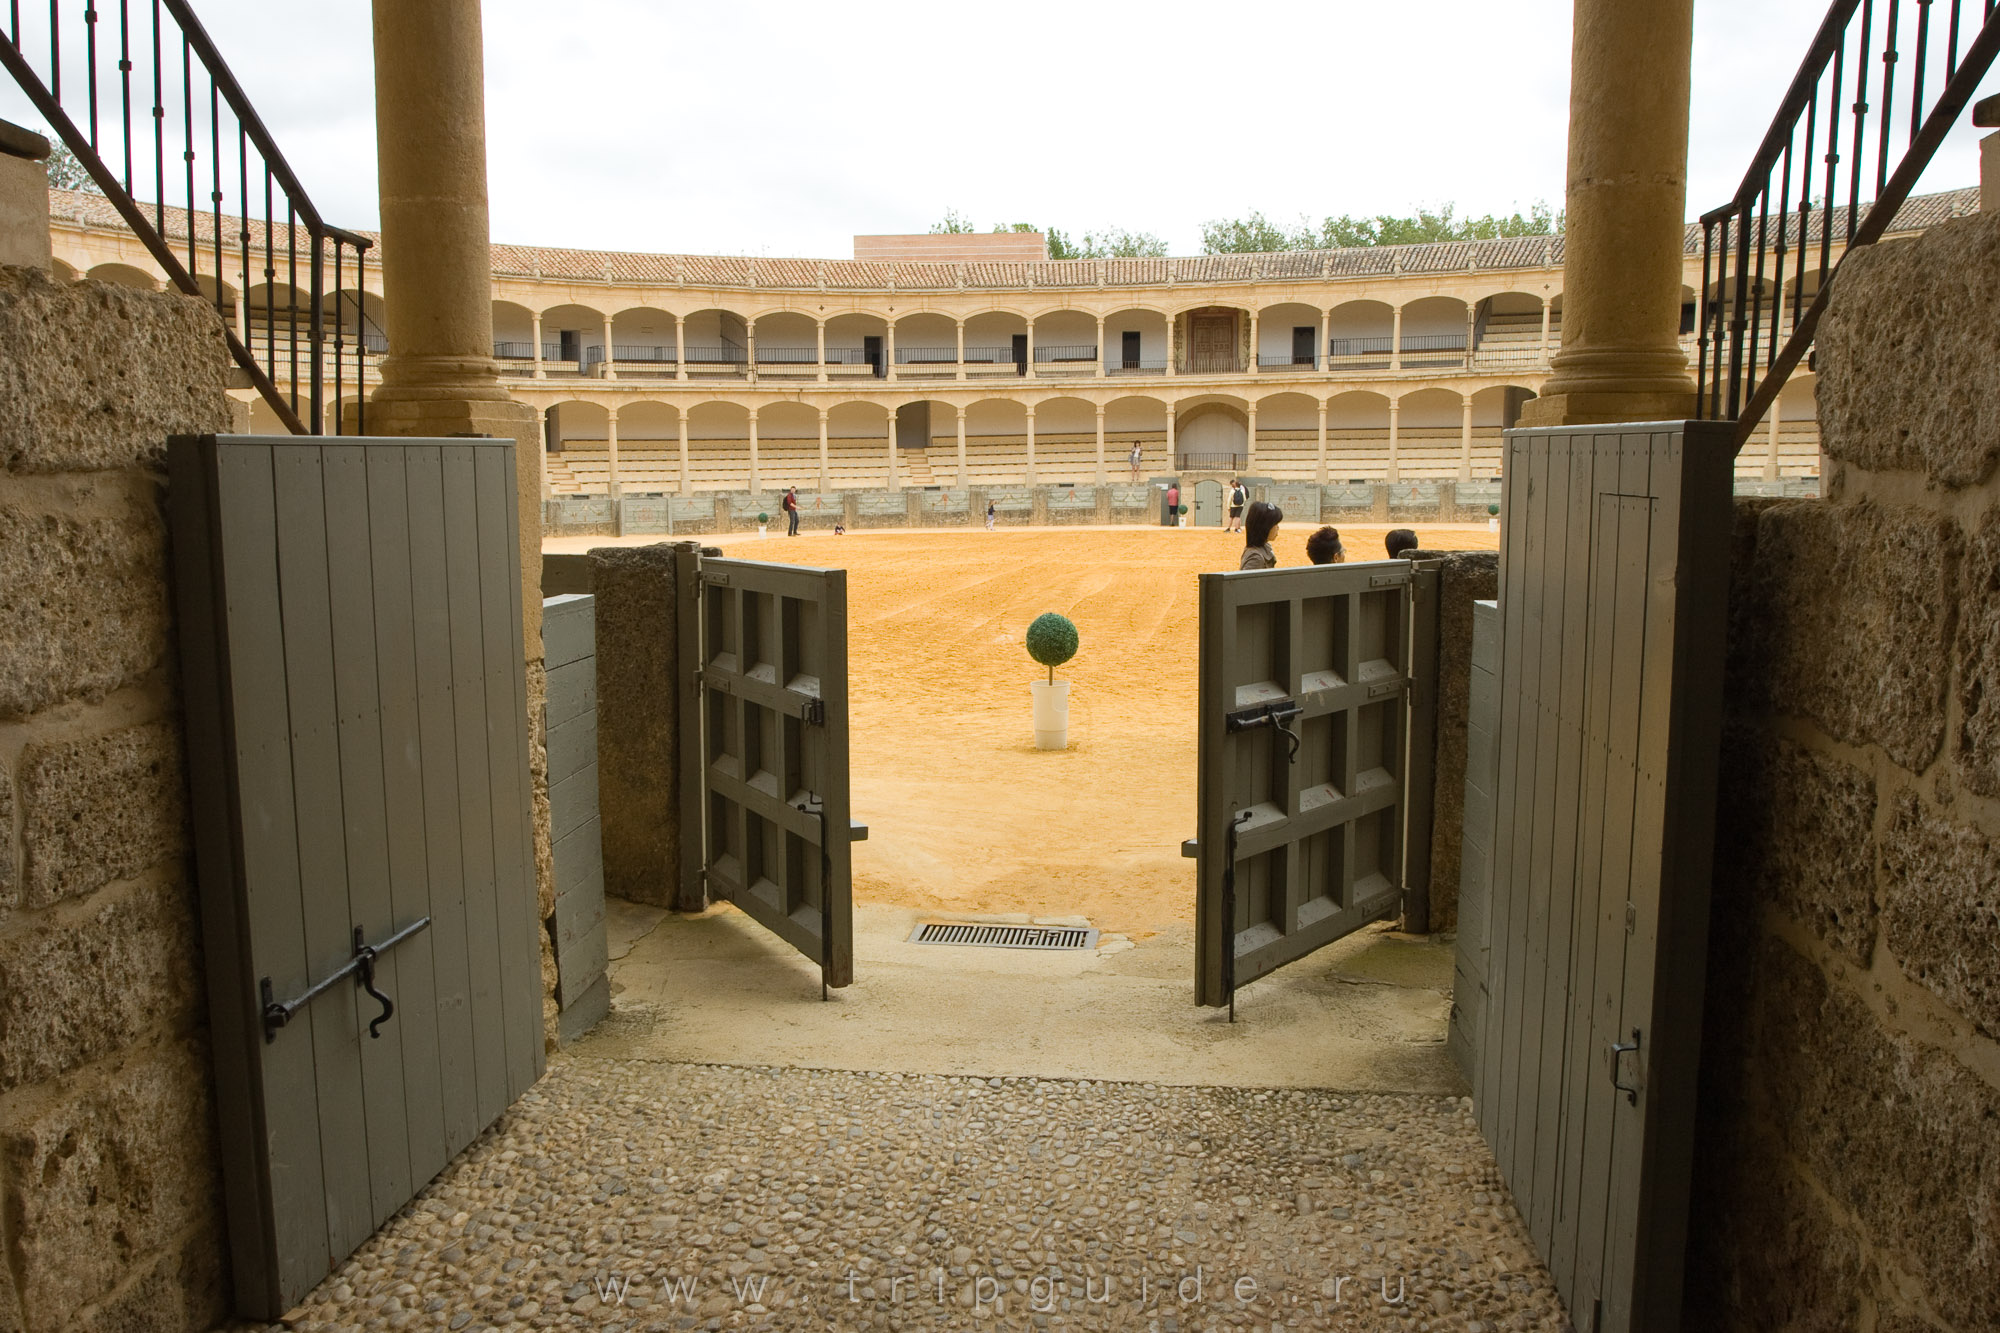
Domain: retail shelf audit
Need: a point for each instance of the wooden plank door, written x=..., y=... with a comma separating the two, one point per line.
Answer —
x=770, y=758
x=1213, y=339
x=1303, y=776
x=350, y=626
x=1613, y=586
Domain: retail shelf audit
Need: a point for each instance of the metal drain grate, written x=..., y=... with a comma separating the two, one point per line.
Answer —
x=1005, y=937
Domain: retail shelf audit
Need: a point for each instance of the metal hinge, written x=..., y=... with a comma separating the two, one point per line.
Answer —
x=814, y=713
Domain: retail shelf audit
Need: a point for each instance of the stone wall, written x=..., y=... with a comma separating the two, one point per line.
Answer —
x=110, y=1206
x=1464, y=577
x=1847, y=1175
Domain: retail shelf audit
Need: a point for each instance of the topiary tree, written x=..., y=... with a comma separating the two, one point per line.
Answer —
x=1052, y=641
x=1494, y=510
x=762, y=519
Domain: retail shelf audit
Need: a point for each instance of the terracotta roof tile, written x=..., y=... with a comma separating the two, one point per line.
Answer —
x=910, y=275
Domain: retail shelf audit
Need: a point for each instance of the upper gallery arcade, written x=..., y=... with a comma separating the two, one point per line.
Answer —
x=660, y=372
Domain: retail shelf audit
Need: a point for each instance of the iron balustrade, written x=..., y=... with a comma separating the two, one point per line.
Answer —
x=1292, y=361
x=1222, y=462
x=982, y=356
x=926, y=356
x=714, y=356
x=513, y=351
x=844, y=356
x=230, y=199
x=1212, y=363
x=1143, y=365
x=787, y=356
x=1825, y=175
x=622, y=352
x=1360, y=346
x=1057, y=354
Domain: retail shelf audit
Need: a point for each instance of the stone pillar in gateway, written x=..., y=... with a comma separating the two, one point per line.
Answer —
x=439, y=377
x=1628, y=129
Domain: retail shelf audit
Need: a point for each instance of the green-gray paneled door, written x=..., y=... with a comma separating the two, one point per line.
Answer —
x=1311, y=684
x=1613, y=590
x=350, y=628
x=764, y=774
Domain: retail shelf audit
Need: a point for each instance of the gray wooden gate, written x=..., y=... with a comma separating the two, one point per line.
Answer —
x=350, y=625
x=764, y=773
x=1614, y=578
x=1309, y=684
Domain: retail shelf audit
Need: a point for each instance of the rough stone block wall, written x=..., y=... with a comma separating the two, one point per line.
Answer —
x=110, y=1203
x=1466, y=577
x=1847, y=1174
x=638, y=719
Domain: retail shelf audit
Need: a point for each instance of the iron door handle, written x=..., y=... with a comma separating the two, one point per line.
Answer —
x=1619, y=1049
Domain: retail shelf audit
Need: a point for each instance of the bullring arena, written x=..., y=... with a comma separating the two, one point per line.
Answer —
x=964, y=814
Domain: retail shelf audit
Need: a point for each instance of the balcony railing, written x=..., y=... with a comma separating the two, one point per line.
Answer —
x=1293, y=362
x=1059, y=355
x=643, y=354
x=714, y=356
x=513, y=351
x=926, y=356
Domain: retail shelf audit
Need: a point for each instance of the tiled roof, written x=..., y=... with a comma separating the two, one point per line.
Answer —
x=620, y=266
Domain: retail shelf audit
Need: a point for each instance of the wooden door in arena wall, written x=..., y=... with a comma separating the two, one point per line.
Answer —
x=765, y=814
x=356, y=699
x=1614, y=574
x=1310, y=794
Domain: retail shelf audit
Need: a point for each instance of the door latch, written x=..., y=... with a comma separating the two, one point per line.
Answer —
x=1618, y=1051
x=277, y=1013
x=813, y=713
x=1275, y=715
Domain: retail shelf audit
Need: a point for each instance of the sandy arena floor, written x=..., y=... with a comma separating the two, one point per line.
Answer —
x=964, y=814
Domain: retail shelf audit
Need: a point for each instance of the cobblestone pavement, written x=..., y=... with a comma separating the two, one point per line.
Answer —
x=639, y=1195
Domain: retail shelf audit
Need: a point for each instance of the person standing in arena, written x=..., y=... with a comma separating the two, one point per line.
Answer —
x=1237, y=497
x=1259, y=527
x=791, y=511
x=991, y=514
x=1137, y=460
x=1324, y=548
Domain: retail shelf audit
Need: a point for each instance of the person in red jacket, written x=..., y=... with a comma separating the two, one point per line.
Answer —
x=791, y=511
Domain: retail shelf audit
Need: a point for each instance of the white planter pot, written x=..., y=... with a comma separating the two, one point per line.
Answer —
x=1183, y=519
x=760, y=530
x=1051, y=714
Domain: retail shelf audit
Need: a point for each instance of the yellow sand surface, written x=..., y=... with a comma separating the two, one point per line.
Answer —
x=964, y=814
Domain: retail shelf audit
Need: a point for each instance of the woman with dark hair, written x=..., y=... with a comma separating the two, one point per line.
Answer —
x=1324, y=548
x=1259, y=526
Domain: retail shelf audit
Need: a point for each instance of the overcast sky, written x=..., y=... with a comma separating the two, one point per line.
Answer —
x=784, y=128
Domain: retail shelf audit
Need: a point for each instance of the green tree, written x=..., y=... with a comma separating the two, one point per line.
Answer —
x=65, y=171
x=1255, y=234
x=1110, y=243
x=953, y=225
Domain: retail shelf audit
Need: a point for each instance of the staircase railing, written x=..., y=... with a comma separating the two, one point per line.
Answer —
x=1827, y=173
x=230, y=200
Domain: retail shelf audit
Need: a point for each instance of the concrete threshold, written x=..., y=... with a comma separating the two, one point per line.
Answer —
x=1367, y=1014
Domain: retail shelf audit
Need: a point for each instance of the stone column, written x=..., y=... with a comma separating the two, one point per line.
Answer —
x=1392, y=473
x=1030, y=367
x=1031, y=444
x=1465, y=443
x=750, y=349
x=684, y=451
x=1621, y=358
x=1548, y=308
x=889, y=355
x=1172, y=464
x=1471, y=326
x=1254, y=358
x=611, y=454
x=819, y=354
x=680, y=348
x=1396, y=339
x=1322, y=442
x=439, y=377
x=1250, y=437
x=962, y=474
x=541, y=372
x=756, y=478
x=542, y=449
x=1100, y=364
x=610, y=352
x=1100, y=443
x=895, y=470
x=961, y=360
x=1325, y=339
x=825, y=475
x=1170, y=347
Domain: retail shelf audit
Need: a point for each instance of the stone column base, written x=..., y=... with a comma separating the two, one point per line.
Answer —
x=1596, y=409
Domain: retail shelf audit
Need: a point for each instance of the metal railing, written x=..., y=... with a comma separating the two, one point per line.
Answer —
x=927, y=356
x=1360, y=347
x=714, y=356
x=625, y=352
x=231, y=198
x=1294, y=361
x=1826, y=174
x=1058, y=354
x=1212, y=363
x=513, y=351
x=1222, y=462
x=787, y=356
